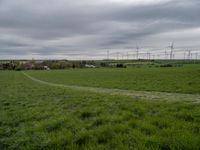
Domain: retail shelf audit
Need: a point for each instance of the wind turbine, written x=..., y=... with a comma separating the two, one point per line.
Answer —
x=148, y=54
x=189, y=54
x=158, y=55
x=117, y=55
x=196, y=55
x=127, y=54
x=137, y=51
x=108, y=54
x=172, y=49
x=122, y=54
x=184, y=56
x=165, y=54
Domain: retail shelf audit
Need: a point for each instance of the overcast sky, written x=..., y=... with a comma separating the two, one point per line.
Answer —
x=74, y=29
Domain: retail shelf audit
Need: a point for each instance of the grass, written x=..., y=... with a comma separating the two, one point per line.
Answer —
x=176, y=79
x=36, y=116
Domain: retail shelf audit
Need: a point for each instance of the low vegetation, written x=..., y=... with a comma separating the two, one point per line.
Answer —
x=37, y=116
x=185, y=79
x=68, y=64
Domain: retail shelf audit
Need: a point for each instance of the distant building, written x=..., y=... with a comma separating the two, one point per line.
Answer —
x=90, y=66
x=22, y=62
x=46, y=68
x=38, y=61
x=27, y=66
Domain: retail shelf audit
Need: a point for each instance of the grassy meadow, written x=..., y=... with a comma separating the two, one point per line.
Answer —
x=173, y=79
x=38, y=116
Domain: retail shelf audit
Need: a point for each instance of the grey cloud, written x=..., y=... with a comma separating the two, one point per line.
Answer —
x=82, y=26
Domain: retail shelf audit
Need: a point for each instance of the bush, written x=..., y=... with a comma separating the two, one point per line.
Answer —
x=166, y=65
x=120, y=66
x=18, y=68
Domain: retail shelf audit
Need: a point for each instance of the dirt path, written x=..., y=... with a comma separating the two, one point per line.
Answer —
x=136, y=94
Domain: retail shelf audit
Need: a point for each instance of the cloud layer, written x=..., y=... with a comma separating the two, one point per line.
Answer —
x=68, y=28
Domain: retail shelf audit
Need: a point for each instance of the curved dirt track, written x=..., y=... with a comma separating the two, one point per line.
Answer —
x=136, y=94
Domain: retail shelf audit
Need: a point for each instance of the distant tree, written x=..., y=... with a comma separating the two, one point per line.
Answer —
x=120, y=66
x=73, y=66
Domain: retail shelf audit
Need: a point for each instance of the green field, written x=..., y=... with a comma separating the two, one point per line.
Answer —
x=35, y=115
x=176, y=79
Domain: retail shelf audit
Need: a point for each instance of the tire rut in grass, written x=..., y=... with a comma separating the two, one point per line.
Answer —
x=135, y=94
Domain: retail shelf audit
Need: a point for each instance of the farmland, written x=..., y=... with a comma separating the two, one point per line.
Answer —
x=35, y=115
x=176, y=79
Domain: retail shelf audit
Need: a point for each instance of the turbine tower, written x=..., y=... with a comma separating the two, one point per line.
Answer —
x=184, y=56
x=137, y=51
x=172, y=50
x=127, y=54
x=108, y=54
x=196, y=55
x=165, y=54
x=189, y=54
x=117, y=55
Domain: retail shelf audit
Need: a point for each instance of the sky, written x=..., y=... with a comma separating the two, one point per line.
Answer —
x=87, y=29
